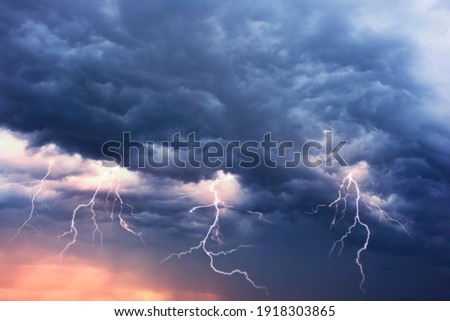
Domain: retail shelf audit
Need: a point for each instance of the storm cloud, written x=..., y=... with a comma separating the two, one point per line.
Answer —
x=77, y=74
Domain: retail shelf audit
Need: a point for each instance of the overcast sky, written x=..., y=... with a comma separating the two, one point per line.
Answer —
x=74, y=75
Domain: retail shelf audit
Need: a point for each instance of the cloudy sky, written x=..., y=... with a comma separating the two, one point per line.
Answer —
x=74, y=75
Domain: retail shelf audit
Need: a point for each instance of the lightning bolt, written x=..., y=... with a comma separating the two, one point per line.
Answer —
x=316, y=210
x=340, y=214
x=356, y=221
x=132, y=211
x=127, y=227
x=384, y=215
x=73, y=228
x=118, y=198
x=73, y=231
x=214, y=233
x=341, y=206
x=260, y=216
x=27, y=222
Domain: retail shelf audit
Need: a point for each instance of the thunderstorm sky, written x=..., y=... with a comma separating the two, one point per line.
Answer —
x=75, y=74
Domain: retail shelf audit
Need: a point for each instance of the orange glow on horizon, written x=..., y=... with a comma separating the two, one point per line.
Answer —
x=77, y=280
